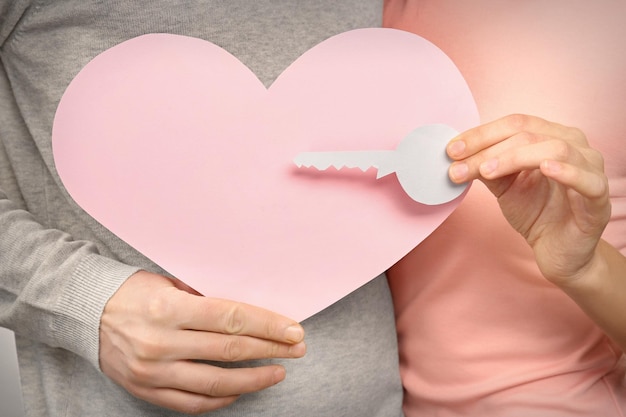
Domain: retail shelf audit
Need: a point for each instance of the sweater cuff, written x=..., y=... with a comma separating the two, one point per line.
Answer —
x=80, y=308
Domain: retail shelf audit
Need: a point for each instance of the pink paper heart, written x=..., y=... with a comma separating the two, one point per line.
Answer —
x=175, y=146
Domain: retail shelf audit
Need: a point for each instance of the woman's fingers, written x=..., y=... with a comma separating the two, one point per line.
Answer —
x=510, y=132
x=500, y=161
x=589, y=184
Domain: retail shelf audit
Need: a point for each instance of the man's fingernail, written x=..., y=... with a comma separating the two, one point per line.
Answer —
x=297, y=349
x=279, y=374
x=294, y=334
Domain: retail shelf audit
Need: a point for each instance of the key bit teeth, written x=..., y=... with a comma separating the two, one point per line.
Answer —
x=323, y=162
x=299, y=163
x=362, y=167
x=320, y=167
x=301, y=160
x=309, y=160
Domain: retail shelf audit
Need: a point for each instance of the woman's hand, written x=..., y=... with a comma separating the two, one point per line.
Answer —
x=549, y=183
x=154, y=330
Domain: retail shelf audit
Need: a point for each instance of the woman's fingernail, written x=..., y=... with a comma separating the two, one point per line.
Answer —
x=552, y=166
x=456, y=148
x=488, y=166
x=459, y=171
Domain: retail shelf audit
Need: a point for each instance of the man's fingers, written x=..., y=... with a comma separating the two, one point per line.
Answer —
x=205, y=379
x=228, y=317
x=182, y=401
x=210, y=346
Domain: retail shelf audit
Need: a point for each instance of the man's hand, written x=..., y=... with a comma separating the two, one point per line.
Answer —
x=154, y=330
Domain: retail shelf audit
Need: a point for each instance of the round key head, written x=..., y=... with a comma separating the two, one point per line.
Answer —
x=422, y=167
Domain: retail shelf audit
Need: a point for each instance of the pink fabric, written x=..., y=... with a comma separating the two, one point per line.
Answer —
x=481, y=332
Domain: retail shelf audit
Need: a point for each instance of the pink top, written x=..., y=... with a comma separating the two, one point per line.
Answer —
x=481, y=332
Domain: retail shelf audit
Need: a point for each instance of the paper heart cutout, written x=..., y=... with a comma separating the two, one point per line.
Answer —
x=176, y=147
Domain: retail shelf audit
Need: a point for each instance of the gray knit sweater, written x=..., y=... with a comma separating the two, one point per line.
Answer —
x=58, y=267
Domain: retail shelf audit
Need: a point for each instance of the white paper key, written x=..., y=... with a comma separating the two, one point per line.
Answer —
x=419, y=161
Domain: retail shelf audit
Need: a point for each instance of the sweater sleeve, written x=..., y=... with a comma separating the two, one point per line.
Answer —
x=52, y=288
